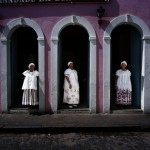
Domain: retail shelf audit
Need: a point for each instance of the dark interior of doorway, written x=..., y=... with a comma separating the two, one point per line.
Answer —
x=74, y=46
x=126, y=45
x=23, y=50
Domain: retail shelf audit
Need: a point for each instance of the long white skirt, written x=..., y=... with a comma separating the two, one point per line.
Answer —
x=71, y=96
x=30, y=97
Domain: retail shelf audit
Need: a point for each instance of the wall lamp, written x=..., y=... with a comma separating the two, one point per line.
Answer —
x=100, y=14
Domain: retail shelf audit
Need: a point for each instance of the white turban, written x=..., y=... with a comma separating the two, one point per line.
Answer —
x=70, y=62
x=31, y=64
x=124, y=62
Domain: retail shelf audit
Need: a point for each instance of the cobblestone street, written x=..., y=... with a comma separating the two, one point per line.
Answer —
x=76, y=141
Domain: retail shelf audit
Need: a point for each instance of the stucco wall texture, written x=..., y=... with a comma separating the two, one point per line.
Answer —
x=47, y=15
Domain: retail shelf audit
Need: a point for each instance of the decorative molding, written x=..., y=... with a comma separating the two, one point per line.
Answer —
x=127, y=19
x=146, y=37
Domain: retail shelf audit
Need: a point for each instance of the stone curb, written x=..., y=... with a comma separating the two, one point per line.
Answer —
x=37, y=129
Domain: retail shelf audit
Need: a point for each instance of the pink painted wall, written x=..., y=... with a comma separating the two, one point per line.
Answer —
x=48, y=15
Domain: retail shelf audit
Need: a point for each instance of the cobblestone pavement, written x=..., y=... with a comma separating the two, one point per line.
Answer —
x=76, y=141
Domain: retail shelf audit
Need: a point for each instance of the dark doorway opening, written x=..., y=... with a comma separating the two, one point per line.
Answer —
x=23, y=50
x=126, y=45
x=74, y=46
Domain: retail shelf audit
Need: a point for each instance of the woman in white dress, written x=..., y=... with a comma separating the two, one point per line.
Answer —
x=71, y=86
x=123, y=85
x=30, y=86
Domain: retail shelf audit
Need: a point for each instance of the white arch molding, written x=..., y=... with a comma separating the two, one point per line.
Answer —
x=73, y=20
x=5, y=69
x=145, y=73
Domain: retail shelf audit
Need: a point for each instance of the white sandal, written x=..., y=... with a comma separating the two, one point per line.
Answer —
x=70, y=106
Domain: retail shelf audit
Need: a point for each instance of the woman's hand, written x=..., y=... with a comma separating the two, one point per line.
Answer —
x=70, y=86
x=116, y=87
x=116, y=78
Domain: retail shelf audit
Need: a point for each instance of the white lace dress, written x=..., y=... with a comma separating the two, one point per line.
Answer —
x=124, y=92
x=71, y=96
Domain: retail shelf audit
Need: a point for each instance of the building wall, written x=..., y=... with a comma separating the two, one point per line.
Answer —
x=48, y=15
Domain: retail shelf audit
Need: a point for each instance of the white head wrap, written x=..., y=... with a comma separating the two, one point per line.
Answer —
x=31, y=64
x=70, y=62
x=124, y=62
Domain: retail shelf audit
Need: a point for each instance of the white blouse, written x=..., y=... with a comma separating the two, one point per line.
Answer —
x=124, y=81
x=30, y=81
x=73, y=77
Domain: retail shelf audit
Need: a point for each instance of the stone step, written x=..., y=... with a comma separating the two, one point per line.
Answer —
x=74, y=110
x=23, y=110
x=127, y=111
x=18, y=110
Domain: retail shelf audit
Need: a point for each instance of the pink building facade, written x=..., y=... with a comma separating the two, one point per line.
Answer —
x=52, y=34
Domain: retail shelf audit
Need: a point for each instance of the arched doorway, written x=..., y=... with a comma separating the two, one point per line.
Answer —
x=74, y=46
x=23, y=50
x=9, y=29
x=64, y=22
x=126, y=45
x=142, y=27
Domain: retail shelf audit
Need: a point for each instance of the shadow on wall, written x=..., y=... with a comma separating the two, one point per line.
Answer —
x=47, y=79
x=1, y=28
x=98, y=77
x=37, y=11
x=111, y=10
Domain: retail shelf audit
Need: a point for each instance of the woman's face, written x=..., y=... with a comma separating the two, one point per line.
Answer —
x=71, y=66
x=123, y=66
x=31, y=67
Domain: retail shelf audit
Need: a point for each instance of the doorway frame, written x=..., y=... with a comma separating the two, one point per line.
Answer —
x=145, y=47
x=54, y=39
x=5, y=61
